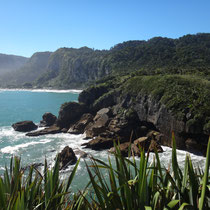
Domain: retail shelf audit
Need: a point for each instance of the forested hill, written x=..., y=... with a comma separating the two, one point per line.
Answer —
x=75, y=68
x=27, y=73
x=10, y=63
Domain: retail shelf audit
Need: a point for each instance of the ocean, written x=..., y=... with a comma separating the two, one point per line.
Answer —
x=19, y=105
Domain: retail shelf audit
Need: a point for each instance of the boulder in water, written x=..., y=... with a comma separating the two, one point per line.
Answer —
x=51, y=130
x=48, y=119
x=67, y=157
x=24, y=126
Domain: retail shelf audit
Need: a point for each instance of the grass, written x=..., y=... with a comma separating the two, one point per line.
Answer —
x=128, y=185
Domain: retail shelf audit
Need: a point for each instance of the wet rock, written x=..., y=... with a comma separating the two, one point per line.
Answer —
x=193, y=146
x=48, y=119
x=99, y=143
x=64, y=130
x=81, y=153
x=126, y=129
x=148, y=144
x=127, y=149
x=154, y=145
x=79, y=127
x=99, y=125
x=143, y=142
x=67, y=157
x=51, y=130
x=69, y=113
x=24, y=126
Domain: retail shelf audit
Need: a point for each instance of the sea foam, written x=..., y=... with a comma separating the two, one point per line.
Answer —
x=45, y=90
x=15, y=148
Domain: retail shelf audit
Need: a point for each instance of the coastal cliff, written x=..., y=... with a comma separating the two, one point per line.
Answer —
x=136, y=105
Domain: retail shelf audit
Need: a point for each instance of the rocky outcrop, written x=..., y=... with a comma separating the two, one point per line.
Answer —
x=79, y=126
x=99, y=143
x=67, y=157
x=24, y=126
x=48, y=119
x=51, y=130
x=81, y=153
x=127, y=149
x=145, y=143
x=99, y=124
x=69, y=113
x=90, y=95
x=153, y=111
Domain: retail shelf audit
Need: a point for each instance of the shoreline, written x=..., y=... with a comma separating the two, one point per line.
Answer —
x=43, y=90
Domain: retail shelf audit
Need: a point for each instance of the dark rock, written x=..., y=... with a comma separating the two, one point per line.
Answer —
x=99, y=125
x=67, y=157
x=51, y=130
x=48, y=119
x=69, y=113
x=91, y=94
x=195, y=147
x=99, y=143
x=127, y=149
x=64, y=130
x=79, y=127
x=81, y=153
x=157, y=136
x=143, y=142
x=24, y=126
x=125, y=128
x=154, y=145
x=148, y=144
x=107, y=100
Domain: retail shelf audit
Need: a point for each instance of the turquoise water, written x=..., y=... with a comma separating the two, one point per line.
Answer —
x=31, y=105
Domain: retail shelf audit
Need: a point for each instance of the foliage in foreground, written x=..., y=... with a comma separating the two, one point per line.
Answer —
x=129, y=185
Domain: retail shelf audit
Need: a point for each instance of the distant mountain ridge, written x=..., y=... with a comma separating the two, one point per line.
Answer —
x=76, y=68
x=10, y=63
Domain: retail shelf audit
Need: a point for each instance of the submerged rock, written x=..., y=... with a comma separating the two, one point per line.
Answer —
x=24, y=126
x=51, y=130
x=48, y=119
x=67, y=157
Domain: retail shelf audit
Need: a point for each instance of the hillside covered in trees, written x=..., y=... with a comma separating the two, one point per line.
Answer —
x=77, y=68
x=10, y=63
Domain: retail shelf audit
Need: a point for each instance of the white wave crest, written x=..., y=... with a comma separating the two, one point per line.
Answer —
x=44, y=90
x=13, y=149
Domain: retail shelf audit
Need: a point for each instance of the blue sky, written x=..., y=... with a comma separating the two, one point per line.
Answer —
x=28, y=26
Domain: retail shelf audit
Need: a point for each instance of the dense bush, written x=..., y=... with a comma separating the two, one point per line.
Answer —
x=129, y=185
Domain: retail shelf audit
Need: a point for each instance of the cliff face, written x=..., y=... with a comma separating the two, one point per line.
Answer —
x=140, y=104
x=150, y=110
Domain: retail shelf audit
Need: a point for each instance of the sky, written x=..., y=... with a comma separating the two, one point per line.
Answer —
x=29, y=26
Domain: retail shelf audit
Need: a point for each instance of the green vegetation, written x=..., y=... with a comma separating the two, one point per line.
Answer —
x=130, y=185
x=181, y=94
x=77, y=68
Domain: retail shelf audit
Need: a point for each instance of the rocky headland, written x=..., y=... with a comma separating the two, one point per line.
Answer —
x=137, y=110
